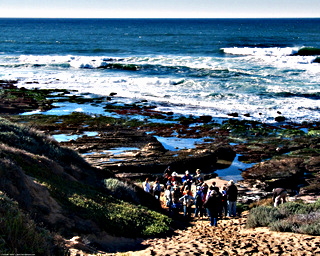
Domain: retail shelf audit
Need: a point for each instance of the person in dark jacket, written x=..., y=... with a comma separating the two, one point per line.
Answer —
x=279, y=194
x=213, y=204
x=198, y=202
x=232, y=195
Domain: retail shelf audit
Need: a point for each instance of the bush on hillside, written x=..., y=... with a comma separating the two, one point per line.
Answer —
x=288, y=217
x=33, y=141
x=122, y=190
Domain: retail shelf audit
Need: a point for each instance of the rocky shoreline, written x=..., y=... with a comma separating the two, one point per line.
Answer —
x=282, y=154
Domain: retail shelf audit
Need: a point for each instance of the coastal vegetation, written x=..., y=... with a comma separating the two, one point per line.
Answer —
x=297, y=217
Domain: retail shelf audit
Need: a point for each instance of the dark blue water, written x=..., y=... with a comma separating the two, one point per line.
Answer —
x=188, y=66
x=202, y=37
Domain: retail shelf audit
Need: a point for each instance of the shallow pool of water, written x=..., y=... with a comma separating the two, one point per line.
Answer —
x=233, y=172
x=175, y=144
x=67, y=137
x=121, y=150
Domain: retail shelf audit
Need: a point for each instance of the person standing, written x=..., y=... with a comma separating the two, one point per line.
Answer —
x=213, y=205
x=187, y=201
x=169, y=199
x=146, y=185
x=187, y=180
x=199, y=202
x=279, y=195
x=224, y=206
x=156, y=189
x=198, y=177
x=232, y=194
x=176, y=206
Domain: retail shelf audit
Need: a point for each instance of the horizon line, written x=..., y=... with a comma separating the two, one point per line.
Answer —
x=160, y=18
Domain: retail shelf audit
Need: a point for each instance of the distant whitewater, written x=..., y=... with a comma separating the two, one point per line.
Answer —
x=198, y=66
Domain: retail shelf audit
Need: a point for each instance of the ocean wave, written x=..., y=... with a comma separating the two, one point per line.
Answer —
x=172, y=66
x=257, y=51
x=313, y=96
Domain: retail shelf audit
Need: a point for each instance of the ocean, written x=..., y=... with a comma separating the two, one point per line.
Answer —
x=187, y=66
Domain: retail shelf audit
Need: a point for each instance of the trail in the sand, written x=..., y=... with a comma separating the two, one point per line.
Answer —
x=231, y=238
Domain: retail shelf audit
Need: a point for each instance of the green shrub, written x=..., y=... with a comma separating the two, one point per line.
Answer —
x=310, y=229
x=291, y=208
x=121, y=218
x=314, y=132
x=122, y=190
x=262, y=216
x=283, y=226
x=288, y=217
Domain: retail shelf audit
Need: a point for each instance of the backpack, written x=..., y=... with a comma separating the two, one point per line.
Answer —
x=198, y=198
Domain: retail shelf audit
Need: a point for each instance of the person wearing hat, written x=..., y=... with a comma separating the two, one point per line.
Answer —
x=187, y=180
x=174, y=178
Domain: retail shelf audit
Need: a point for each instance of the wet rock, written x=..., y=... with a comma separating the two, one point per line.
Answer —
x=234, y=114
x=280, y=119
x=284, y=172
x=205, y=119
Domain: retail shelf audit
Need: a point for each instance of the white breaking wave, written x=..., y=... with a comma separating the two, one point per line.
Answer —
x=255, y=51
x=248, y=83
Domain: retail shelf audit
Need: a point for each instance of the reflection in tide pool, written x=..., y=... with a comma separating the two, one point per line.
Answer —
x=233, y=172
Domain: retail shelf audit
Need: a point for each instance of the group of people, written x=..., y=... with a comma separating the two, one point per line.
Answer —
x=206, y=200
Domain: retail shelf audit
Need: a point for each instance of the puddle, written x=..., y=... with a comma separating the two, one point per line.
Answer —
x=233, y=172
x=67, y=137
x=305, y=130
x=175, y=144
x=67, y=108
x=91, y=134
x=121, y=150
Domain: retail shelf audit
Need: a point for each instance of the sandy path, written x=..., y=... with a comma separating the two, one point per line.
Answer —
x=231, y=238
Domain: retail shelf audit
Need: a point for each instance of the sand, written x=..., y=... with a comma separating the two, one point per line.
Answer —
x=230, y=238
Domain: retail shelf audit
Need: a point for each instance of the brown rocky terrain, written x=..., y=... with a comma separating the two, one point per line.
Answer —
x=290, y=162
